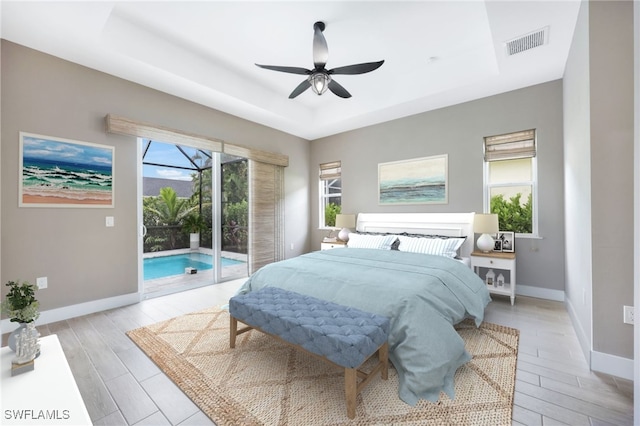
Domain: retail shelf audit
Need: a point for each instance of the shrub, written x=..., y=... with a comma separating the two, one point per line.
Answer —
x=512, y=214
x=330, y=212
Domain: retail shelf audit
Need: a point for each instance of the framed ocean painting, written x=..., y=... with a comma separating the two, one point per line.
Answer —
x=58, y=172
x=416, y=181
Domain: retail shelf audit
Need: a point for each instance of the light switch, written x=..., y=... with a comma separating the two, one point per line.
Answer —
x=109, y=221
x=41, y=282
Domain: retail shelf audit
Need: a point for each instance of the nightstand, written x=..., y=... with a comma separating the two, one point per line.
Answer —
x=335, y=244
x=497, y=265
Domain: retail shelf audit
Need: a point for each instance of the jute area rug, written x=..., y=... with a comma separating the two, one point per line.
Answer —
x=265, y=382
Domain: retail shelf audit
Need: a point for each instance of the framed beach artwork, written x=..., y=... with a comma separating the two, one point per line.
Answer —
x=58, y=172
x=416, y=181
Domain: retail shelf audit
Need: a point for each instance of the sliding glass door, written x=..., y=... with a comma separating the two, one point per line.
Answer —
x=193, y=217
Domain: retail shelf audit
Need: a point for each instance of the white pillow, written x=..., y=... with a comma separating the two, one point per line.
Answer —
x=382, y=242
x=437, y=246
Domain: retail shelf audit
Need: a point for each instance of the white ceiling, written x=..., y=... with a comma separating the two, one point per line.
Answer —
x=437, y=53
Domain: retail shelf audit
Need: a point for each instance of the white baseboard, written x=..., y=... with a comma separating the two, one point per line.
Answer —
x=66, y=312
x=599, y=361
x=583, y=339
x=540, y=292
x=612, y=364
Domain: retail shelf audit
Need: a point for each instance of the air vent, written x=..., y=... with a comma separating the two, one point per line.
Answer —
x=528, y=41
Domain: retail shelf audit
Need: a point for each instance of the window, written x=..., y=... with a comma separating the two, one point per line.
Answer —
x=510, y=181
x=330, y=193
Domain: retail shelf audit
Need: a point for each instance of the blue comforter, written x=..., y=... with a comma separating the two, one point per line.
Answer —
x=422, y=295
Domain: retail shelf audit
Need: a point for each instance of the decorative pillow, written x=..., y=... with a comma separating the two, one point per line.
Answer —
x=382, y=242
x=437, y=246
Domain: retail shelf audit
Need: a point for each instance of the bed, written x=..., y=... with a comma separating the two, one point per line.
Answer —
x=423, y=295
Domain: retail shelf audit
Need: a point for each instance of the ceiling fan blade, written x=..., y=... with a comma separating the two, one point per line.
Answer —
x=357, y=69
x=338, y=90
x=320, y=49
x=291, y=70
x=301, y=88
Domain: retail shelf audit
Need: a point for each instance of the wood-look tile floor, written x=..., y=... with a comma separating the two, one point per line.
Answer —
x=121, y=386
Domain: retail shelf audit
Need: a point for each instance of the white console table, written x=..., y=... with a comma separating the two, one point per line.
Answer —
x=48, y=395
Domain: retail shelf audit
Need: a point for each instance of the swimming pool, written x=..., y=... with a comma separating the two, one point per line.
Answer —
x=166, y=266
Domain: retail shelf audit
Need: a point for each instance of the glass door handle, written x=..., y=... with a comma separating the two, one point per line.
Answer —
x=144, y=231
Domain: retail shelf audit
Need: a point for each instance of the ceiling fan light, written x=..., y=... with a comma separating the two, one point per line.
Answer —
x=319, y=82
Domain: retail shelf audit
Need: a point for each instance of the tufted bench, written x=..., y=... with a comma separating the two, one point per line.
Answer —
x=341, y=335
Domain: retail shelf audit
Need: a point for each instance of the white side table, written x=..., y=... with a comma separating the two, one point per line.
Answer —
x=329, y=246
x=48, y=395
x=498, y=263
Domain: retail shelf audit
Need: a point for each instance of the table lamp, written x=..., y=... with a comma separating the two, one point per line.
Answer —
x=345, y=222
x=487, y=225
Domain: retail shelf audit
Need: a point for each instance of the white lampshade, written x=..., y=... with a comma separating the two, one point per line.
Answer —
x=345, y=222
x=487, y=225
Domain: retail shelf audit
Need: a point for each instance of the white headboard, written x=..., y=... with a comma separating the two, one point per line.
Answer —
x=448, y=224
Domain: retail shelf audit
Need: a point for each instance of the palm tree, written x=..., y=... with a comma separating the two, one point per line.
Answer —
x=171, y=210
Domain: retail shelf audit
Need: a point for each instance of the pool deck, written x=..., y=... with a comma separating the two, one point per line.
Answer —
x=162, y=286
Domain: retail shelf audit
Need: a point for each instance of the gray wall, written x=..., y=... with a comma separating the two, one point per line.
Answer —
x=611, y=43
x=577, y=170
x=458, y=132
x=599, y=131
x=83, y=259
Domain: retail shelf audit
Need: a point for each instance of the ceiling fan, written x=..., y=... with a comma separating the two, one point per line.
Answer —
x=319, y=78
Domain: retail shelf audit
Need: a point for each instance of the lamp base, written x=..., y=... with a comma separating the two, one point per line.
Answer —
x=485, y=243
x=343, y=235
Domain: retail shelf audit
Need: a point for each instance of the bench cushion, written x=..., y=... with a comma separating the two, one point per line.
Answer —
x=344, y=335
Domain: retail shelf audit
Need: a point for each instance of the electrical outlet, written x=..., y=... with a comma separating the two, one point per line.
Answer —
x=41, y=283
x=629, y=315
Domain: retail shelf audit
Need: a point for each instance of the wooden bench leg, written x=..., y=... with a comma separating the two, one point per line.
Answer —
x=351, y=390
x=383, y=356
x=233, y=332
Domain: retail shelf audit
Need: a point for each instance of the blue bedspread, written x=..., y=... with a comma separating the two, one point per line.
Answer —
x=423, y=295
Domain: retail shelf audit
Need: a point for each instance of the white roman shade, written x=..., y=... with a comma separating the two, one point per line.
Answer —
x=510, y=146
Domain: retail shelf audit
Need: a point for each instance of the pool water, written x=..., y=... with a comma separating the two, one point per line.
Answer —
x=166, y=266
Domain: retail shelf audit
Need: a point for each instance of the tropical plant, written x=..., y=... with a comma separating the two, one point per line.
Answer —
x=164, y=215
x=193, y=223
x=234, y=181
x=167, y=210
x=330, y=212
x=235, y=208
x=171, y=210
x=234, y=216
x=512, y=214
x=20, y=304
x=154, y=243
x=201, y=180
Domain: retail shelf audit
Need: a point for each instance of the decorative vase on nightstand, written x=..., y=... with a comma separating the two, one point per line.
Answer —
x=30, y=331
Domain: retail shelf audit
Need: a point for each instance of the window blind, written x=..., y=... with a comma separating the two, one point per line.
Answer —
x=266, y=214
x=330, y=170
x=510, y=146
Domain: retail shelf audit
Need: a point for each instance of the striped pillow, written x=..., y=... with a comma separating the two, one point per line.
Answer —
x=437, y=246
x=382, y=242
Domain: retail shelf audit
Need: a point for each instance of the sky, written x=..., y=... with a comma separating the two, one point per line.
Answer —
x=162, y=153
